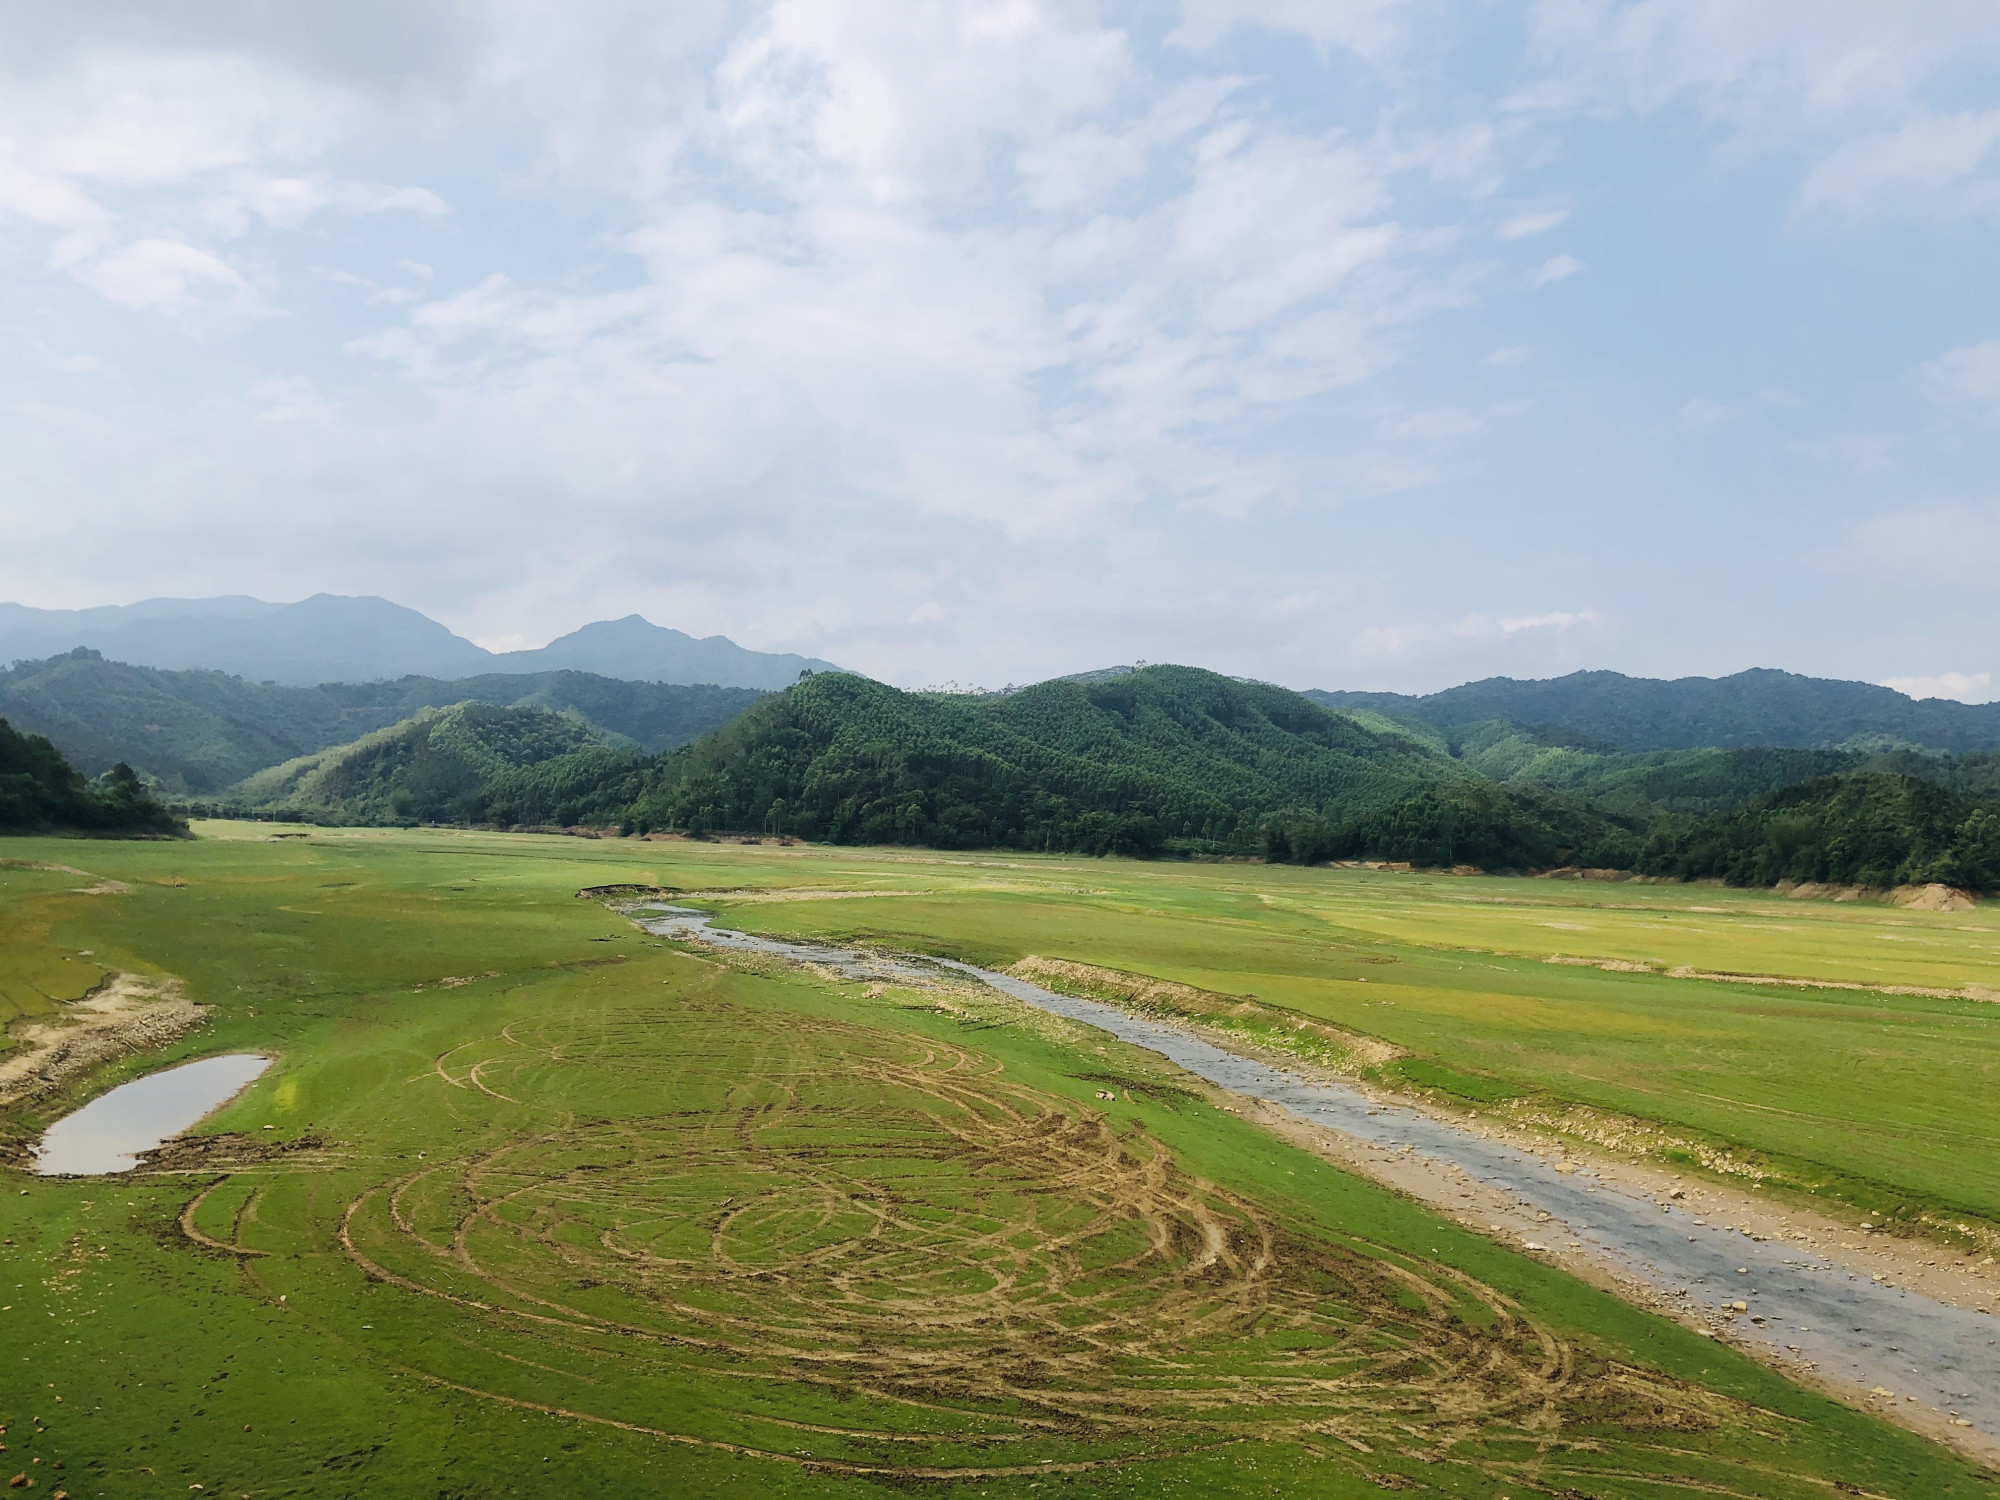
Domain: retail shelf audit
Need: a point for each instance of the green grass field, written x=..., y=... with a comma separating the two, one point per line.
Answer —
x=550, y=1207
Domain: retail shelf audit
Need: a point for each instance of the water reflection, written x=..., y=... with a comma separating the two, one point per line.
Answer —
x=108, y=1134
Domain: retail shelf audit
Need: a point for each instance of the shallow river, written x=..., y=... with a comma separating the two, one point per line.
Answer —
x=108, y=1133
x=1854, y=1329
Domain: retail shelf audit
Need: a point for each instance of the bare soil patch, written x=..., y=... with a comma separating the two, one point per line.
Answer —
x=127, y=1013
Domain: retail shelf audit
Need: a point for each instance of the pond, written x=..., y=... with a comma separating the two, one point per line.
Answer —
x=108, y=1133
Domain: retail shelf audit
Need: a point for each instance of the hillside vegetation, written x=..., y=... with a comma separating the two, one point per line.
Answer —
x=1167, y=759
x=1870, y=828
x=1174, y=761
x=40, y=791
x=201, y=731
x=443, y=765
x=1759, y=708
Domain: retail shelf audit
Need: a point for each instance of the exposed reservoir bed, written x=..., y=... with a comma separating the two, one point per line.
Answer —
x=1856, y=1332
x=109, y=1133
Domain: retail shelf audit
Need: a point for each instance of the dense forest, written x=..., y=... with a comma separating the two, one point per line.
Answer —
x=42, y=792
x=1868, y=828
x=1162, y=760
x=1169, y=758
x=1173, y=761
x=1758, y=708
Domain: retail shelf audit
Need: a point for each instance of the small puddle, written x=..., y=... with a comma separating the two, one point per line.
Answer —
x=108, y=1133
x=1868, y=1334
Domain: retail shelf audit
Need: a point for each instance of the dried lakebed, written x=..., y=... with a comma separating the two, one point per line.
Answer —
x=1857, y=1333
x=111, y=1132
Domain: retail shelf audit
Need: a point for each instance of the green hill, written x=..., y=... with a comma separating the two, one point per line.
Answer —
x=1759, y=708
x=200, y=731
x=440, y=766
x=1173, y=760
x=1166, y=759
x=40, y=792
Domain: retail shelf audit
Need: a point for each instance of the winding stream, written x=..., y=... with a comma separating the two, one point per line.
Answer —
x=1857, y=1331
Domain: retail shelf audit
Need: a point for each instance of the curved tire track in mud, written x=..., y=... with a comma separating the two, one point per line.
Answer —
x=870, y=1213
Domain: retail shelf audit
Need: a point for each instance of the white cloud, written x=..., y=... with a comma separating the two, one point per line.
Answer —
x=1965, y=377
x=1521, y=226
x=1782, y=62
x=72, y=364
x=291, y=398
x=1844, y=82
x=1862, y=452
x=137, y=160
x=1555, y=268
x=1700, y=411
x=1369, y=27
x=1404, y=643
x=1927, y=156
x=161, y=275
x=1966, y=687
x=1957, y=544
x=1555, y=619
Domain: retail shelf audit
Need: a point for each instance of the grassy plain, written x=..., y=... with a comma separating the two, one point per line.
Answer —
x=1854, y=1092
x=546, y=1204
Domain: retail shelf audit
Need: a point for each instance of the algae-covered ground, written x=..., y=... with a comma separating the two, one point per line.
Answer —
x=546, y=1206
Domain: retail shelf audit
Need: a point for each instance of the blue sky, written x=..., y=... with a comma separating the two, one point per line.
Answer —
x=1358, y=343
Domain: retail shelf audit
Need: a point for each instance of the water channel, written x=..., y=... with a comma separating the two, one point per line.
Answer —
x=1856, y=1330
x=109, y=1133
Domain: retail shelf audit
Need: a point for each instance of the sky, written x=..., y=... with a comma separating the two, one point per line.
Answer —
x=1338, y=343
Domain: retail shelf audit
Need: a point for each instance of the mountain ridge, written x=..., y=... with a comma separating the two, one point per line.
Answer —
x=331, y=638
x=1759, y=708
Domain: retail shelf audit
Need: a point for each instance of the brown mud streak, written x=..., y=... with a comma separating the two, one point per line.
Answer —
x=189, y=1228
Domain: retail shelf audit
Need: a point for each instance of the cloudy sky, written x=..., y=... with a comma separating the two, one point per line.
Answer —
x=1342, y=343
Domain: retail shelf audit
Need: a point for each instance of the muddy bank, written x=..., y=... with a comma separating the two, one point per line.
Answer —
x=114, y=1130
x=128, y=1013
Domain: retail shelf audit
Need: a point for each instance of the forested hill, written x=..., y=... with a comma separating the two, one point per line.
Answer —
x=42, y=792
x=200, y=731
x=1173, y=760
x=443, y=765
x=1755, y=708
x=1871, y=828
x=1166, y=758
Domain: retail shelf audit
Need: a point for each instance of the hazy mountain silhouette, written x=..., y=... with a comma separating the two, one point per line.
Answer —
x=338, y=638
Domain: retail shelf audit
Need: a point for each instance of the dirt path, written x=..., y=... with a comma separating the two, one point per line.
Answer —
x=1495, y=1210
x=1868, y=1319
x=1795, y=1292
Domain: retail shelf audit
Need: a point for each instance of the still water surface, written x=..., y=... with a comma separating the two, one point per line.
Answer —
x=108, y=1134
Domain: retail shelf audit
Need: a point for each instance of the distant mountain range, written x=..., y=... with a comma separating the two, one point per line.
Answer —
x=200, y=731
x=1758, y=708
x=336, y=638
